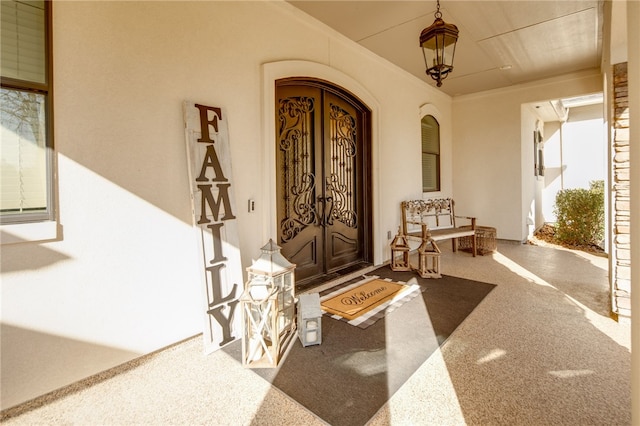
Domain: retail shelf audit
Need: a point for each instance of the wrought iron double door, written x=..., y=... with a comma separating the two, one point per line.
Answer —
x=323, y=175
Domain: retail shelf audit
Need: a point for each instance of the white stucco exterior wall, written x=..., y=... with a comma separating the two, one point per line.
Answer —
x=530, y=204
x=553, y=181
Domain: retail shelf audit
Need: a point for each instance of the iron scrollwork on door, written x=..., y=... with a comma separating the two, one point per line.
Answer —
x=299, y=180
x=302, y=207
x=340, y=184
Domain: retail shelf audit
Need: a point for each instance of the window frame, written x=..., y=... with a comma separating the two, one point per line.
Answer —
x=437, y=155
x=45, y=89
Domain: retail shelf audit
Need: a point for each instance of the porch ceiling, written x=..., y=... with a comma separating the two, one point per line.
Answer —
x=501, y=43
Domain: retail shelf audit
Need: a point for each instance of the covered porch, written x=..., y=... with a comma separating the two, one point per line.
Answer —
x=539, y=349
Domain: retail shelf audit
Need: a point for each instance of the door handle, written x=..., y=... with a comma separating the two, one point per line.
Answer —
x=326, y=218
x=320, y=210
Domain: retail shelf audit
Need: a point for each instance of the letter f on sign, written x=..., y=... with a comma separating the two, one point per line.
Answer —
x=205, y=122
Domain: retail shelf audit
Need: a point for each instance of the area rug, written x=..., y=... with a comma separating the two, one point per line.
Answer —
x=348, y=377
x=363, y=302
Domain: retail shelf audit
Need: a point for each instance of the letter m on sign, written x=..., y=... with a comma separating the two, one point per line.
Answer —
x=214, y=222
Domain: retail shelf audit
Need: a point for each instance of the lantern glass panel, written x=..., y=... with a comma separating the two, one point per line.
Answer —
x=285, y=302
x=312, y=335
x=287, y=282
x=439, y=50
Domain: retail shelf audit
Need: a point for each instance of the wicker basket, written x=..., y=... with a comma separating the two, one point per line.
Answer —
x=485, y=240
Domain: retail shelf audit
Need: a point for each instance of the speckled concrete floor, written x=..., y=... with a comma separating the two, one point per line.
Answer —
x=539, y=350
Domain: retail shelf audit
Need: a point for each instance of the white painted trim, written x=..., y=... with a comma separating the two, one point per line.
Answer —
x=539, y=84
x=430, y=109
x=277, y=70
x=28, y=232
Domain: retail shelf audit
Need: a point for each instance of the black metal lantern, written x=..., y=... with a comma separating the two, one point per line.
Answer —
x=438, y=44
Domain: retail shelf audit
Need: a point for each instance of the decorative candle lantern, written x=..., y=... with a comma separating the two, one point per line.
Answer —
x=268, y=308
x=309, y=319
x=400, y=253
x=438, y=43
x=428, y=258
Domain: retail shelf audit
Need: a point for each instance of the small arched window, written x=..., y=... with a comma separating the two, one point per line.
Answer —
x=430, y=154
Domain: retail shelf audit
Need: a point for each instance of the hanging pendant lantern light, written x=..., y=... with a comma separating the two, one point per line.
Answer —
x=438, y=43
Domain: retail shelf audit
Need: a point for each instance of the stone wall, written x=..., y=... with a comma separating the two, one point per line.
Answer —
x=621, y=201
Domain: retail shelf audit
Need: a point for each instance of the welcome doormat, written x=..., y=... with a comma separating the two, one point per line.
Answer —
x=353, y=373
x=364, y=302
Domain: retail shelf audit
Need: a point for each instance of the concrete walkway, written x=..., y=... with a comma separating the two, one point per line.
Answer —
x=539, y=350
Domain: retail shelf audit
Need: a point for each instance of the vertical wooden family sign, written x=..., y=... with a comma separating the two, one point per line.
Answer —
x=213, y=206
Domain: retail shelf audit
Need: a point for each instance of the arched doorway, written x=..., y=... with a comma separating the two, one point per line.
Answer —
x=323, y=178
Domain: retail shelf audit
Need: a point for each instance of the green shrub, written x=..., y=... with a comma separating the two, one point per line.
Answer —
x=580, y=215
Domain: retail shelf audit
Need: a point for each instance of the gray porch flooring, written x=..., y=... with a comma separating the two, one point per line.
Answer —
x=540, y=349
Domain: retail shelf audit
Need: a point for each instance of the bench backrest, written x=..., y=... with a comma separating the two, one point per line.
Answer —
x=436, y=213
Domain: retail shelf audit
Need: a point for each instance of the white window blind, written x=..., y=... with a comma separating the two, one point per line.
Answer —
x=430, y=140
x=429, y=173
x=23, y=152
x=23, y=40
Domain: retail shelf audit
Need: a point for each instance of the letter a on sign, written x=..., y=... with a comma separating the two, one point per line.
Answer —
x=214, y=222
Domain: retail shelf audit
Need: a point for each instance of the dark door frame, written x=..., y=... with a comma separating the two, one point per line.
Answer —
x=366, y=175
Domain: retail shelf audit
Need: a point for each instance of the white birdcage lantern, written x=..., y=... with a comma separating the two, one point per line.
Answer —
x=268, y=308
x=309, y=319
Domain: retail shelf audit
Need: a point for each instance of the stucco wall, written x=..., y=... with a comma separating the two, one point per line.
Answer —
x=491, y=154
x=121, y=277
x=528, y=124
x=553, y=161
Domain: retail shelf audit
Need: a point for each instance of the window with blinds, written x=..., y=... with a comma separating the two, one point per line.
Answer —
x=25, y=172
x=430, y=154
